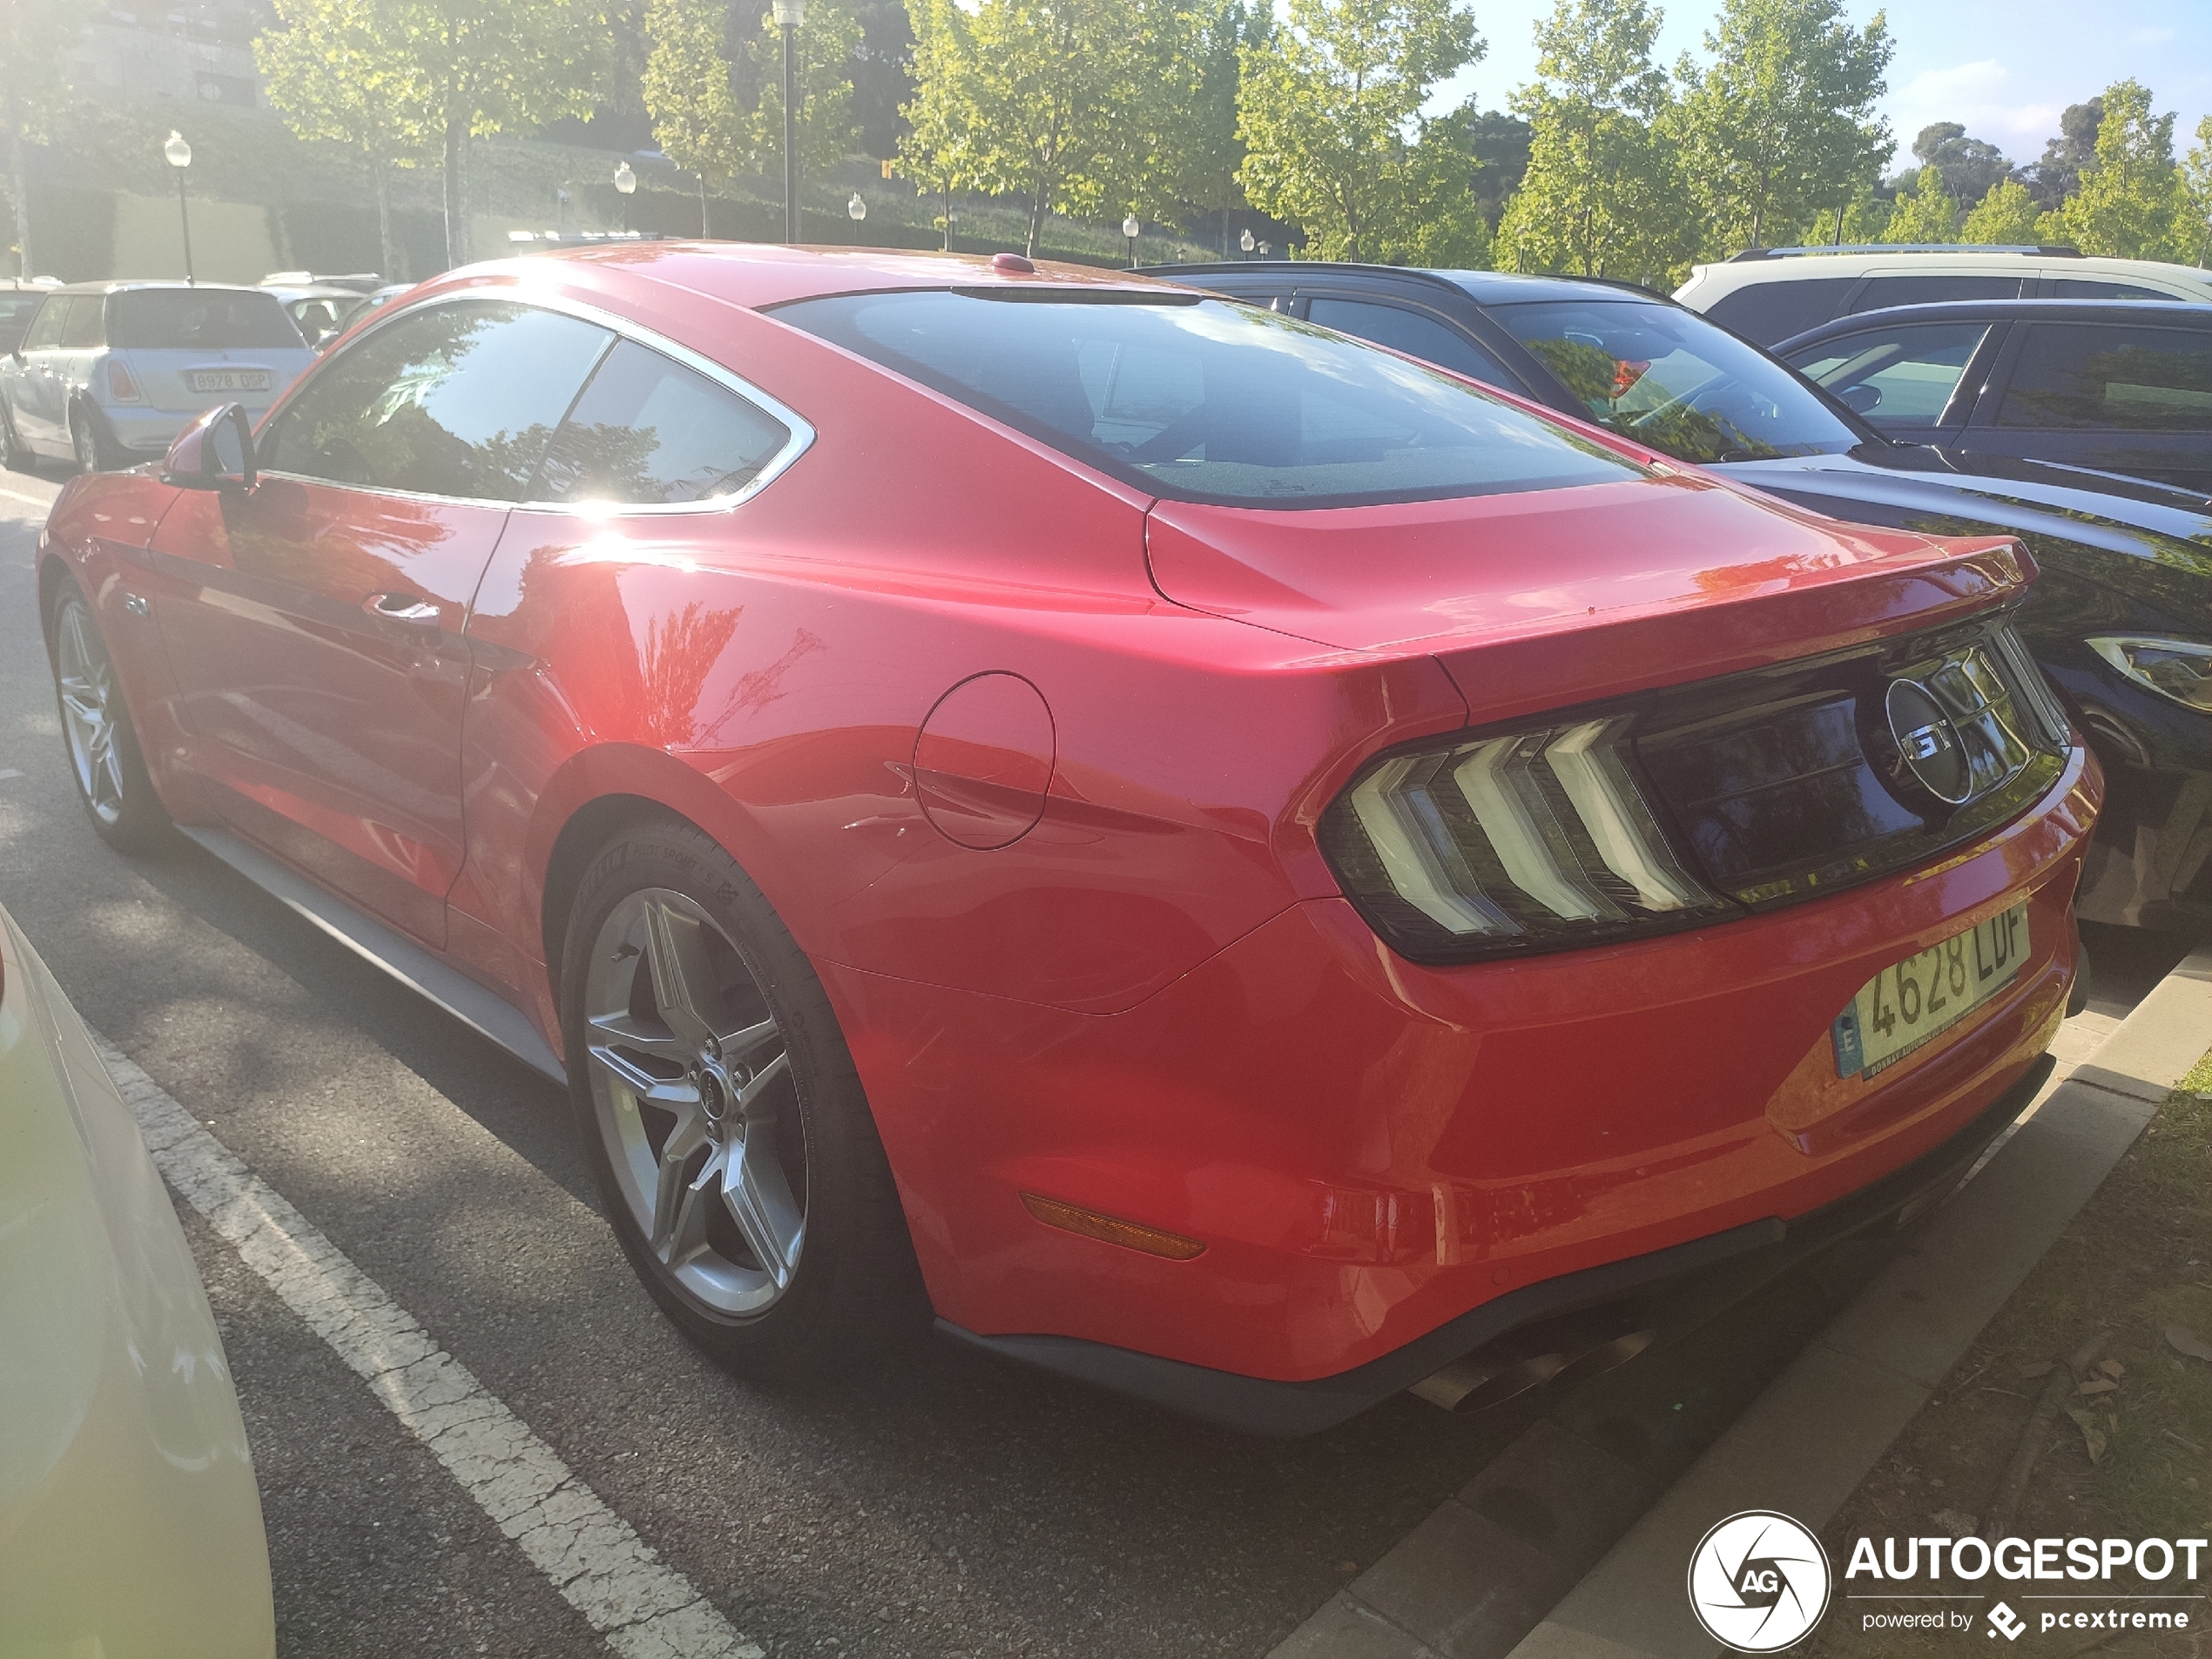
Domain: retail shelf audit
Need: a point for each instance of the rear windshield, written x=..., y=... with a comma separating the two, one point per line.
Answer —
x=1202, y=400
x=199, y=319
x=1669, y=378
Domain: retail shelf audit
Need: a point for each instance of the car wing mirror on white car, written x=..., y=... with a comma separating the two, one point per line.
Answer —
x=215, y=452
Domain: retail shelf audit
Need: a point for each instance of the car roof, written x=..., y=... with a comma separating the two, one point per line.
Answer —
x=759, y=274
x=2118, y=312
x=119, y=284
x=1710, y=280
x=1484, y=287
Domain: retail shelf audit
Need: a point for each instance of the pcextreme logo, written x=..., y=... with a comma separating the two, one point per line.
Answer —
x=1758, y=1582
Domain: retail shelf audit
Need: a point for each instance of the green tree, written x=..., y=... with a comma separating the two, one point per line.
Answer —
x=825, y=43
x=492, y=66
x=2007, y=216
x=1781, y=123
x=2132, y=195
x=328, y=71
x=1925, y=212
x=2195, y=228
x=1971, y=167
x=1604, y=194
x=1201, y=70
x=696, y=120
x=33, y=35
x=937, y=152
x=2058, y=175
x=1330, y=119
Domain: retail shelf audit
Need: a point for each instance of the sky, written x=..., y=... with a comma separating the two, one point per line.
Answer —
x=2005, y=68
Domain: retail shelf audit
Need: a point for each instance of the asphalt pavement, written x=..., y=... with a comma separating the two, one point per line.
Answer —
x=933, y=1503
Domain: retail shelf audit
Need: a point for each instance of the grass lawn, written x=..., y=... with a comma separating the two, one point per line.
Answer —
x=2137, y=1260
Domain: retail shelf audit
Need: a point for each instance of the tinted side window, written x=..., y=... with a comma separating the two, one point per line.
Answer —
x=86, y=329
x=1895, y=377
x=649, y=430
x=2083, y=288
x=46, y=331
x=2093, y=374
x=199, y=320
x=1882, y=292
x=1415, y=335
x=459, y=399
x=1768, y=313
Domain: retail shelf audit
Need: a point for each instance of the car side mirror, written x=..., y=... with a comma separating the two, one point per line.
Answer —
x=1861, y=399
x=215, y=452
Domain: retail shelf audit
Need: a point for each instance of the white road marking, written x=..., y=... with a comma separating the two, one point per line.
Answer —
x=34, y=501
x=643, y=1609
x=8, y=772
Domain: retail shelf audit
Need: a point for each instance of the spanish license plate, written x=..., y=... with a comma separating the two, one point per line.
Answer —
x=1907, y=1003
x=229, y=380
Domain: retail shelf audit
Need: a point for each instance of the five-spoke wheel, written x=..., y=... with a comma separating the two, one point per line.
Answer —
x=96, y=732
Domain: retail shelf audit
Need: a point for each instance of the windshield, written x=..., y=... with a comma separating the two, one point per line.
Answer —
x=1669, y=379
x=1202, y=400
x=199, y=319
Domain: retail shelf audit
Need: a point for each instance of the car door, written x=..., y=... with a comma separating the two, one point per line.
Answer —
x=1914, y=382
x=1414, y=329
x=33, y=391
x=315, y=624
x=2121, y=395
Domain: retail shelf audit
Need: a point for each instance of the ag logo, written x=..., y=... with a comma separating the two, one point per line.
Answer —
x=1758, y=1582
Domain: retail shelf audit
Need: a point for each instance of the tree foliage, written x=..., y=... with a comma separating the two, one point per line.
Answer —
x=1201, y=81
x=1971, y=167
x=1331, y=120
x=826, y=44
x=1925, y=212
x=2195, y=228
x=696, y=120
x=2005, y=216
x=1780, y=122
x=1604, y=194
x=329, y=70
x=2058, y=175
x=2132, y=194
x=33, y=35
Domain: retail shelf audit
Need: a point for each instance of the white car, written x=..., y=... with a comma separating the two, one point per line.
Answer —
x=1770, y=294
x=130, y=1523
x=109, y=373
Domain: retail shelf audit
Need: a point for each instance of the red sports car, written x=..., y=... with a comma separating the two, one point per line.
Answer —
x=1213, y=857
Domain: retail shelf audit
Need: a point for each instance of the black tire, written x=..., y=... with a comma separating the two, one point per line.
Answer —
x=850, y=1283
x=99, y=739
x=95, y=451
x=15, y=454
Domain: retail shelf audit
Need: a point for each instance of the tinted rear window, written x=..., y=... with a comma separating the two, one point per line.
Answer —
x=1883, y=292
x=1207, y=400
x=199, y=319
x=16, y=309
x=2085, y=374
x=1767, y=313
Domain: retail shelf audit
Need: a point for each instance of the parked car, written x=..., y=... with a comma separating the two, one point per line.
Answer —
x=130, y=1523
x=2122, y=561
x=109, y=372
x=19, y=302
x=2124, y=389
x=1209, y=857
x=320, y=311
x=1768, y=294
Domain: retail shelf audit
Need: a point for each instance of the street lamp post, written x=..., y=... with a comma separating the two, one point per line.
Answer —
x=1246, y=242
x=178, y=154
x=1132, y=229
x=625, y=185
x=790, y=14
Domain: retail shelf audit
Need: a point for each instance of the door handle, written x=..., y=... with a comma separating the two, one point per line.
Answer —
x=400, y=607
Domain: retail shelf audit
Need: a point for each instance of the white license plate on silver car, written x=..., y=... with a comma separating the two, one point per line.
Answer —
x=229, y=380
x=1926, y=994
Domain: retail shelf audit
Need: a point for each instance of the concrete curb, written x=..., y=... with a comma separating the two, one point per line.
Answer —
x=1808, y=1441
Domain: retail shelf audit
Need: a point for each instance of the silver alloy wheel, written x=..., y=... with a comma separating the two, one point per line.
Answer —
x=88, y=699
x=691, y=1086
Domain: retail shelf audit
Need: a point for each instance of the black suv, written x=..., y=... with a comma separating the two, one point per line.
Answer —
x=2123, y=386
x=2122, y=618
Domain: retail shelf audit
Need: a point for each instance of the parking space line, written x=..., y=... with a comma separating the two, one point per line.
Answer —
x=33, y=501
x=644, y=1609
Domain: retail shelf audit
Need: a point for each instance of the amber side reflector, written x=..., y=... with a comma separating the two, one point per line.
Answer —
x=1110, y=1228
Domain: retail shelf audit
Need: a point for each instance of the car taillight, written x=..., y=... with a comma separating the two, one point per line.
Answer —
x=120, y=386
x=1701, y=802
x=1540, y=837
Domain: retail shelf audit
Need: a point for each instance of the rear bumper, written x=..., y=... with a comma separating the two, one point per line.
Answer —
x=1665, y=1290
x=150, y=432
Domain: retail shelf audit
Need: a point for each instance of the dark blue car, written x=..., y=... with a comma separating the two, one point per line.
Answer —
x=2121, y=620
x=2120, y=385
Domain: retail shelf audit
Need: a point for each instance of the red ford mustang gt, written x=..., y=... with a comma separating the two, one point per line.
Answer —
x=1211, y=856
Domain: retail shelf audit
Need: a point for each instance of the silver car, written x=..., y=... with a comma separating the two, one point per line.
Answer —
x=109, y=373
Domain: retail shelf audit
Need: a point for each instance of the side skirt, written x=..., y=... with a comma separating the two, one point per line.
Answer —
x=482, y=1010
